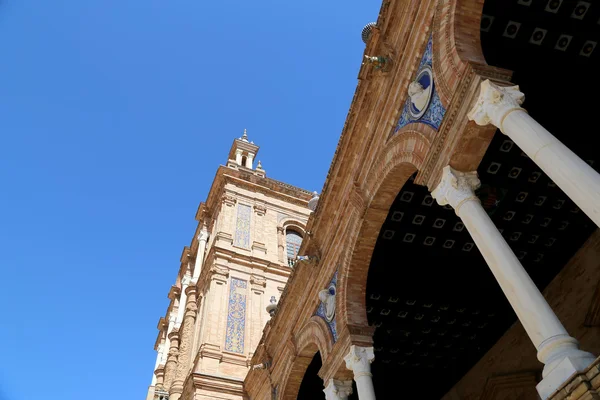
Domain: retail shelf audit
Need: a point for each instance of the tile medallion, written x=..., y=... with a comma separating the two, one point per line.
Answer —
x=423, y=104
x=242, y=226
x=236, y=316
x=324, y=311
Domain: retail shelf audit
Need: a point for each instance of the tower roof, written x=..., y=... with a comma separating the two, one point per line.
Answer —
x=244, y=145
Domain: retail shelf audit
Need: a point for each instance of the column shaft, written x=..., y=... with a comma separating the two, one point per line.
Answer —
x=185, y=347
x=574, y=176
x=556, y=349
x=171, y=364
x=202, y=238
x=501, y=106
x=182, y=300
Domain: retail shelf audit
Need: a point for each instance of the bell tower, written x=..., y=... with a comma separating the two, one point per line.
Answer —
x=238, y=261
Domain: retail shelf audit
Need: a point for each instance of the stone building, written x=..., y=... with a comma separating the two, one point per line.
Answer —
x=454, y=252
x=249, y=232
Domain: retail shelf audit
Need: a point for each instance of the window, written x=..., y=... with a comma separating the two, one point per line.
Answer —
x=293, y=240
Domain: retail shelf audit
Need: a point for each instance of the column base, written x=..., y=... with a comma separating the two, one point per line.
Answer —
x=563, y=371
x=582, y=386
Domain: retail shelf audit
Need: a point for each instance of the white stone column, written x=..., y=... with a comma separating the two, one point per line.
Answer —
x=159, y=354
x=249, y=160
x=202, y=238
x=185, y=281
x=501, y=106
x=556, y=349
x=238, y=157
x=359, y=360
x=337, y=390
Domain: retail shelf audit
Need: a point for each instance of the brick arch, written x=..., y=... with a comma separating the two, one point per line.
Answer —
x=396, y=162
x=313, y=337
x=456, y=43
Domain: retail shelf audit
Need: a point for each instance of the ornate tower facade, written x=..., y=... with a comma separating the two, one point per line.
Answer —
x=249, y=231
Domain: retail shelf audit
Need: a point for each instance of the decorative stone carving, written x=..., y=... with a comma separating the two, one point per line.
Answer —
x=359, y=360
x=327, y=297
x=419, y=92
x=260, y=210
x=258, y=282
x=456, y=188
x=229, y=200
x=219, y=273
x=495, y=103
x=338, y=390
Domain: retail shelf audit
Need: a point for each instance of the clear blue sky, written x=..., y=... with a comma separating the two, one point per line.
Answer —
x=114, y=116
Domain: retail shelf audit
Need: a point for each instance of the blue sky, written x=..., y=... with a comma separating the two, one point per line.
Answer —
x=114, y=117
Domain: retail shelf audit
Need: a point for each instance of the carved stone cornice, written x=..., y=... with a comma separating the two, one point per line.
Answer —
x=174, y=292
x=260, y=210
x=218, y=273
x=228, y=200
x=258, y=283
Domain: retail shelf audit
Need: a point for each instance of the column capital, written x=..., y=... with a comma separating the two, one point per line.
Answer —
x=456, y=188
x=203, y=235
x=495, y=103
x=338, y=390
x=174, y=335
x=239, y=151
x=359, y=360
x=185, y=281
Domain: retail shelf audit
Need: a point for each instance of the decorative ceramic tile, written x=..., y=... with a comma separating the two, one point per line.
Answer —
x=242, y=226
x=321, y=312
x=236, y=316
x=435, y=111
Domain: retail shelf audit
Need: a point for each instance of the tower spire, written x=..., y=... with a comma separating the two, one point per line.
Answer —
x=245, y=136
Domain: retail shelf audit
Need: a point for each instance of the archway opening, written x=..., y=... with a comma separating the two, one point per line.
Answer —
x=312, y=385
x=435, y=304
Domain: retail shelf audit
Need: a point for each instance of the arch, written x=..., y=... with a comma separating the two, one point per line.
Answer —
x=313, y=337
x=457, y=45
x=291, y=222
x=402, y=156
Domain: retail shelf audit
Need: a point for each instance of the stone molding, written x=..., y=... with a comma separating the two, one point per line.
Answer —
x=337, y=390
x=219, y=273
x=495, y=102
x=260, y=210
x=359, y=360
x=456, y=188
x=228, y=200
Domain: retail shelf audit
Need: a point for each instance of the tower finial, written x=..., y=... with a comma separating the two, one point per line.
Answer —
x=245, y=136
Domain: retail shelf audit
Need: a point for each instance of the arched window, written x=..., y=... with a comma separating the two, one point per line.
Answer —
x=293, y=240
x=243, y=161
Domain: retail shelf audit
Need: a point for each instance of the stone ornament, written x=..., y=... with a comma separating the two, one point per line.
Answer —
x=419, y=92
x=456, y=188
x=203, y=236
x=359, y=360
x=495, y=103
x=338, y=390
x=327, y=297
